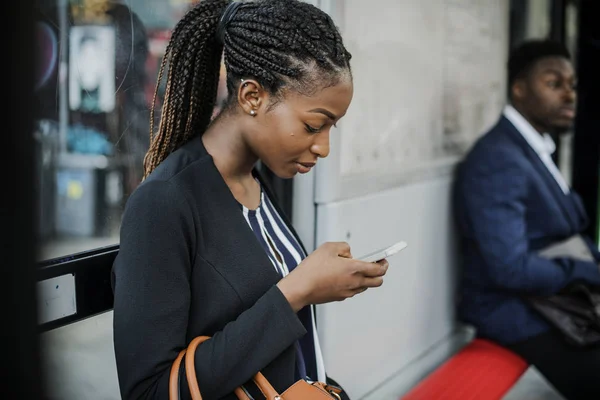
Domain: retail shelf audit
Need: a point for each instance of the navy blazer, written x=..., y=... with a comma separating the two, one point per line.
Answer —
x=508, y=206
x=190, y=265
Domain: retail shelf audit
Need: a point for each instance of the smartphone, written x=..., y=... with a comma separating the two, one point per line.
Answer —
x=384, y=253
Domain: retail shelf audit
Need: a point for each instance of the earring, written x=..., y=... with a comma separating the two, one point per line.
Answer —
x=252, y=112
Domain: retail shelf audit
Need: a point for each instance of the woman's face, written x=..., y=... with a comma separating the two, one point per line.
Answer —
x=291, y=136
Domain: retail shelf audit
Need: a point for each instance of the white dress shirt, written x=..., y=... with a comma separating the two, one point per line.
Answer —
x=542, y=144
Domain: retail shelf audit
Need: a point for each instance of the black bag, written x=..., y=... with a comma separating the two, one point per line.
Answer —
x=575, y=312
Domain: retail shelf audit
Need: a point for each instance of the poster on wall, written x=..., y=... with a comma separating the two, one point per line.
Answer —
x=92, y=69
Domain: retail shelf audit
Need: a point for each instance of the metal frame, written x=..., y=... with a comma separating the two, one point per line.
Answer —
x=586, y=141
x=557, y=20
x=21, y=348
x=93, y=287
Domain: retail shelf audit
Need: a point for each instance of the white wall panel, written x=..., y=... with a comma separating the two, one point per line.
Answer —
x=428, y=78
x=372, y=336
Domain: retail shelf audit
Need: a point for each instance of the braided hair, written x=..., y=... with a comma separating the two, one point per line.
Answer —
x=286, y=45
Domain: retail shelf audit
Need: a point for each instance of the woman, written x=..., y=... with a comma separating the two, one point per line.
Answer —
x=204, y=248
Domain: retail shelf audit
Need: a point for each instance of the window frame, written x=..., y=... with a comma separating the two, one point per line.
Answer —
x=586, y=141
x=92, y=270
x=17, y=218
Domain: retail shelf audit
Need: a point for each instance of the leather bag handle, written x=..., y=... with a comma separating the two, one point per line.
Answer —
x=190, y=371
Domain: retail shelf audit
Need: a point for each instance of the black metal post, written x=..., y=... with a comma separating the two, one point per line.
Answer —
x=21, y=366
x=586, y=146
x=557, y=20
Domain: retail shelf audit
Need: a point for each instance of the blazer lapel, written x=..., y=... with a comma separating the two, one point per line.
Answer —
x=564, y=201
x=269, y=191
x=231, y=246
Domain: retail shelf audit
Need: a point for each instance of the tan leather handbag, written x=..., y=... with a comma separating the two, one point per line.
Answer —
x=301, y=390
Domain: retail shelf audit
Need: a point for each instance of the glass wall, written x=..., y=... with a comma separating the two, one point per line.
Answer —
x=532, y=19
x=529, y=19
x=96, y=74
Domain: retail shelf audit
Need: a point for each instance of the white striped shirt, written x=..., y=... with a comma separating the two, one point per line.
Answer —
x=285, y=253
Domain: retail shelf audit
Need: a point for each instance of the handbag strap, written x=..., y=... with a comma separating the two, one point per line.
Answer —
x=190, y=370
x=174, y=377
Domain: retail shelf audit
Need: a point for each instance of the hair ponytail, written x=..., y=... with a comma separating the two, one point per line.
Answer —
x=193, y=57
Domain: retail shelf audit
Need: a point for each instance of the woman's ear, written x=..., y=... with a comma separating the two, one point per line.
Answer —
x=251, y=96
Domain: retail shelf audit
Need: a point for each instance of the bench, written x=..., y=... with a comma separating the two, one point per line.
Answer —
x=481, y=370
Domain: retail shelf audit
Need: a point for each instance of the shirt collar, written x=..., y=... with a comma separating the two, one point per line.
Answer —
x=543, y=144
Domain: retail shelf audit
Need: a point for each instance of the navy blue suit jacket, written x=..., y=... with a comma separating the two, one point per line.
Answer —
x=507, y=207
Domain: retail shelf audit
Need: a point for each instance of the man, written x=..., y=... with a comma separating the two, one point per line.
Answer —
x=511, y=202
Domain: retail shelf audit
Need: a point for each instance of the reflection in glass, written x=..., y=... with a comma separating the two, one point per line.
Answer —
x=97, y=63
x=92, y=69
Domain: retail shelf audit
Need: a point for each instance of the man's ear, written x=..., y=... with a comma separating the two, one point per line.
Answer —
x=251, y=96
x=519, y=89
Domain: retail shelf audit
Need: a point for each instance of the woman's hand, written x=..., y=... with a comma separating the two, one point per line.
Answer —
x=330, y=274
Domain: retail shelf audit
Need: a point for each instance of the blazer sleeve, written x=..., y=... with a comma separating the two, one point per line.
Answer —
x=152, y=301
x=493, y=197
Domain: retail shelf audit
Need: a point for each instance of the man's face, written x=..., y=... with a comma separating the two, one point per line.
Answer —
x=547, y=95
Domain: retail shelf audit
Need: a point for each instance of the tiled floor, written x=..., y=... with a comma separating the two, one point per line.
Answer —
x=79, y=361
x=533, y=386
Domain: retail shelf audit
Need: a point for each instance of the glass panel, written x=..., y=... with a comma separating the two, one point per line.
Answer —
x=572, y=27
x=538, y=19
x=530, y=19
x=96, y=73
x=565, y=162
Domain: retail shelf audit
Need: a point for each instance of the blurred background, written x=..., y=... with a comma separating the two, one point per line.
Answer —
x=429, y=80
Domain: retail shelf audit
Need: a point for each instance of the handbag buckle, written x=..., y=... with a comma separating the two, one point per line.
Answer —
x=334, y=394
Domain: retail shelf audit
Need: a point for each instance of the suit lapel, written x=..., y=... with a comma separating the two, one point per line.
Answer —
x=566, y=202
x=580, y=210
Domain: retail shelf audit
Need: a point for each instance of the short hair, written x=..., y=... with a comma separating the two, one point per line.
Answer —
x=524, y=57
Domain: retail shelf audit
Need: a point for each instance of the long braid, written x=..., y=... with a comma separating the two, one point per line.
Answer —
x=192, y=40
x=193, y=56
x=278, y=42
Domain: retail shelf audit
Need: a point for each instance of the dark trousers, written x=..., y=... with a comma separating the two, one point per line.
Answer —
x=574, y=372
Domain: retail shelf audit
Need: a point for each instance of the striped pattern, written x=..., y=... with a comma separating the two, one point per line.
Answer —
x=285, y=254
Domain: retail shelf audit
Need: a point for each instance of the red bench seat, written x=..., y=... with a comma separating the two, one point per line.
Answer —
x=481, y=370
